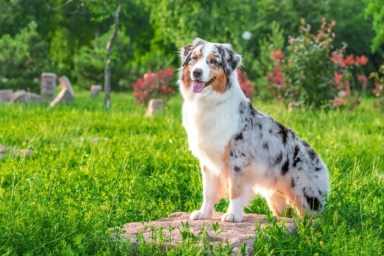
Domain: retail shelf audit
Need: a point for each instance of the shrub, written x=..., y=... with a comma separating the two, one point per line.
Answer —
x=378, y=77
x=246, y=85
x=345, y=80
x=23, y=59
x=312, y=74
x=154, y=85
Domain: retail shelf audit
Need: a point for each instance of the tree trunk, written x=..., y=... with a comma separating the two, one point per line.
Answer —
x=107, y=70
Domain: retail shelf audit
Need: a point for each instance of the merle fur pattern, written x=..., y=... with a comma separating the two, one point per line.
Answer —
x=269, y=144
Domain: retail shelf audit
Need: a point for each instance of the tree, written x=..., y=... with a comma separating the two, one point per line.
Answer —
x=22, y=59
x=375, y=8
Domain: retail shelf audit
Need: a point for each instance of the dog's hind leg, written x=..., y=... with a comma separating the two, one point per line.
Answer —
x=213, y=189
x=277, y=203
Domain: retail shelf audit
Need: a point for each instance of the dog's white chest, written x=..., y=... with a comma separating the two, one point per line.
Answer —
x=209, y=133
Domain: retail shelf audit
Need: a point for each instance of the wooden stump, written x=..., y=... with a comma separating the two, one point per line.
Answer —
x=235, y=234
x=6, y=95
x=66, y=94
x=95, y=90
x=155, y=106
x=48, y=84
x=23, y=96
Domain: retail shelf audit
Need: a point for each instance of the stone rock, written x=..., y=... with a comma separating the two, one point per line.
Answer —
x=6, y=95
x=66, y=94
x=23, y=96
x=155, y=106
x=4, y=150
x=95, y=90
x=236, y=234
x=48, y=84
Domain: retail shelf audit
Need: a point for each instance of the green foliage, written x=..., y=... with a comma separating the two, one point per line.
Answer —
x=93, y=170
x=375, y=8
x=378, y=77
x=308, y=69
x=22, y=59
x=90, y=62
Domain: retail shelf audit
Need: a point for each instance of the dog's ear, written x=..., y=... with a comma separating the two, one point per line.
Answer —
x=185, y=54
x=187, y=50
x=230, y=59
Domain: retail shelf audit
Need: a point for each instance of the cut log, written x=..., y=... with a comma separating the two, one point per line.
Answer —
x=6, y=95
x=48, y=84
x=22, y=96
x=155, y=106
x=235, y=234
x=95, y=90
x=66, y=94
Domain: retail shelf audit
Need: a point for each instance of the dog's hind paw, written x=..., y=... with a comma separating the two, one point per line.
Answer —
x=199, y=215
x=231, y=217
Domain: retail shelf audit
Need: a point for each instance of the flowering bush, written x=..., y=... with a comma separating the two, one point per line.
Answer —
x=379, y=86
x=246, y=85
x=154, y=85
x=343, y=77
x=311, y=73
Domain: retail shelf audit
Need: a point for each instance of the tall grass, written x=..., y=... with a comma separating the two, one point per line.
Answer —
x=92, y=170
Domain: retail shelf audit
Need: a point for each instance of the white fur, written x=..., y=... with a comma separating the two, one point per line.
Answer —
x=212, y=120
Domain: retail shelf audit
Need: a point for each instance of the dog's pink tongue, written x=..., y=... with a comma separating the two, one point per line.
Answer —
x=197, y=86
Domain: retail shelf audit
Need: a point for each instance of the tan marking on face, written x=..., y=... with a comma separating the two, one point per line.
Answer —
x=186, y=78
x=220, y=84
x=195, y=56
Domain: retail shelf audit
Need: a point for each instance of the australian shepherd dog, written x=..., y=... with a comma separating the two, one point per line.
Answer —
x=242, y=150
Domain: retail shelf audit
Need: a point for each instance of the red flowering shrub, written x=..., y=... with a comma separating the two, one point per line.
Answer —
x=154, y=85
x=343, y=77
x=246, y=85
x=311, y=73
x=378, y=77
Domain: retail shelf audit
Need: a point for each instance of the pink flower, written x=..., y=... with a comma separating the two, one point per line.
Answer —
x=361, y=61
x=349, y=60
x=337, y=57
x=277, y=55
x=338, y=77
x=338, y=102
x=363, y=80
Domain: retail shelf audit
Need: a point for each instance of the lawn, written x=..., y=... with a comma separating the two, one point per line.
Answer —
x=92, y=170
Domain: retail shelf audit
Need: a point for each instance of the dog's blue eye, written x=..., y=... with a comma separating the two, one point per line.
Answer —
x=194, y=58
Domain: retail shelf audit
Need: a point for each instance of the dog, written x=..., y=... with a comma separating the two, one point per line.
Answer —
x=242, y=150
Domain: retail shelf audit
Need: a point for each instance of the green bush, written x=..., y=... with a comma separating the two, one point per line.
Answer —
x=311, y=73
x=308, y=69
x=378, y=77
x=23, y=59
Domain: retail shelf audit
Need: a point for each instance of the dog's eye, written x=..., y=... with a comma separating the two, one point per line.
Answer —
x=194, y=58
x=212, y=61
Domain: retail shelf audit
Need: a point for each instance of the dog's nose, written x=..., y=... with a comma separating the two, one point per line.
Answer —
x=197, y=72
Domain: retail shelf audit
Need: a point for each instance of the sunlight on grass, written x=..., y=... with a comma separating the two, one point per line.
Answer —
x=92, y=170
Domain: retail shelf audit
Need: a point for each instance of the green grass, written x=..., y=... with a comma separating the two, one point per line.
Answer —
x=92, y=170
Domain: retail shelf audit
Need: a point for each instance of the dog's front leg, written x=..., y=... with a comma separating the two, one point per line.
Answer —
x=212, y=192
x=239, y=194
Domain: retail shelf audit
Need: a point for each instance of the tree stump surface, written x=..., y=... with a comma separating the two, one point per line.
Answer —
x=95, y=90
x=235, y=234
x=6, y=95
x=66, y=94
x=48, y=84
x=155, y=106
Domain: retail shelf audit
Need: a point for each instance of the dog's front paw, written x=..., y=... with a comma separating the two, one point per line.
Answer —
x=231, y=217
x=199, y=215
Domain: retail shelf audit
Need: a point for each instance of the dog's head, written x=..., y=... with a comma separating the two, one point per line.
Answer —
x=207, y=66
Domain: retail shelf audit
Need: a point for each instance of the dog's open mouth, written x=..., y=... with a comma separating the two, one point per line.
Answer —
x=198, y=86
